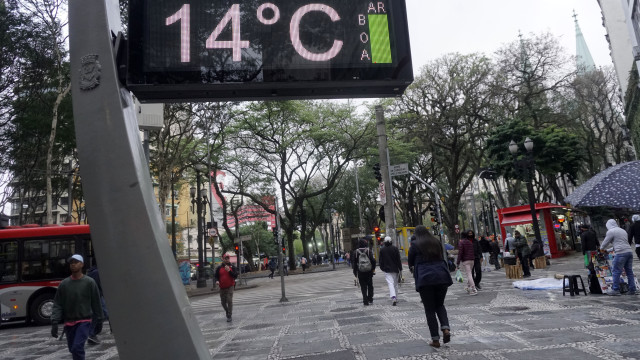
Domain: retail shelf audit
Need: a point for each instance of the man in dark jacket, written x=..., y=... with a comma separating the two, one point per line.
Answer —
x=589, y=242
x=365, y=277
x=523, y=252
x=225, y=275
x=634, y=233
x=495, y=251
x=392, y=266
x=485, y=245
x=477, y=262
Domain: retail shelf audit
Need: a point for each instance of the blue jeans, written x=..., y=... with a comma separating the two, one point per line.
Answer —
x=620, y=261
x=76, y=337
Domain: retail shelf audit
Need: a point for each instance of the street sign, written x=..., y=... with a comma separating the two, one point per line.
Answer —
x=242, y=238
x=383, y=194
x=457, y=231
x=400, y=169
x=456, y=226
x=213, y=232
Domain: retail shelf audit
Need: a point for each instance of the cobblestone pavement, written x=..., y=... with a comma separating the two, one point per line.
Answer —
x=325, y=319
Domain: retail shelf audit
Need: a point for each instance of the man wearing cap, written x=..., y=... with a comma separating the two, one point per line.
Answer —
x=76, y=304
x=392, y=266
x=225, y=275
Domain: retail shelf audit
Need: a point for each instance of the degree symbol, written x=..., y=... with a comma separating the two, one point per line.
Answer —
x=276, y=14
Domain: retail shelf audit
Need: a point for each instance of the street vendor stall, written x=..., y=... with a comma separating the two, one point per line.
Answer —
x=520, y=216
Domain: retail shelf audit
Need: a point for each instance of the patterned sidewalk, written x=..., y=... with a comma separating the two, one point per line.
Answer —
x=499, y=323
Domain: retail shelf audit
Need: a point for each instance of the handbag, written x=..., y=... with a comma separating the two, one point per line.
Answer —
x=432, y=273
x=459, y=277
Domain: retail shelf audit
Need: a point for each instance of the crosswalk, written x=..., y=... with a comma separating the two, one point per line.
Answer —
x=298, y=287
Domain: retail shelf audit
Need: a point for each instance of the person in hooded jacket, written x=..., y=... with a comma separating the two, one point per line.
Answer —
x=589, y=242
x=466, y=256
x=523, y=252
x=537, y=250
x=432, y=278
x=623, y=259
x=391, y=264
x=476, y=270
x=634, y=233
x=365, y=278
x=509, y=244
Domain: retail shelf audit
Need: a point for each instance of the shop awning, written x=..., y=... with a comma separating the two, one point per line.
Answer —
x=516, y=219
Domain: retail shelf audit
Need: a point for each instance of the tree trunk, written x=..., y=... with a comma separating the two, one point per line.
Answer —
x=52, y=137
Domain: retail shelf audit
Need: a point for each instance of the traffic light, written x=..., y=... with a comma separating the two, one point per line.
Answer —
x=237, y=249
x=376, y=230
x=284, y=250
x=376, y=172
x=275, y=234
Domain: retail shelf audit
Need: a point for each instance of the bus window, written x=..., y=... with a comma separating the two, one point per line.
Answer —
x=8, y=261
x=45, y=259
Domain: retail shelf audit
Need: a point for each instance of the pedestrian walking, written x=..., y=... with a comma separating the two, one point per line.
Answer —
x=272, y=267
x=225, y=275
x=364, y=265
x=523, y=252
x=623, y=259
x=347, y=257
x=495, y=251
x=466, y=256
x=76, y=305
x=634, y=233
x=432, y=278
x=303, y=263
x=285, y=266
x=476, y=270
x=96, y=327
x=391, y=264
x=485, y=246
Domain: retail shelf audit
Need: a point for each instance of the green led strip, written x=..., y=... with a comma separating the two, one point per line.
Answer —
x=380, y=44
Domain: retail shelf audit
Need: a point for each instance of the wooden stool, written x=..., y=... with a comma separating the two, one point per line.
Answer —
x=540, y=262
x=513, y=271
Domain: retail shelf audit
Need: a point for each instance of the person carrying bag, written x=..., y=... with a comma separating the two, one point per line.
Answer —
x=432, y=278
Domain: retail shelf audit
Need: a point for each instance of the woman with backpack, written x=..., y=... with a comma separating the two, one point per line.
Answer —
x=433, y=279
x=364, y=266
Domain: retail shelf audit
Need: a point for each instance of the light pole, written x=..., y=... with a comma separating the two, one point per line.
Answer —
x=526, y=167
x=200, y=202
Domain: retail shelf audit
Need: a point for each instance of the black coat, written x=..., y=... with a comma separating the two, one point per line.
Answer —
x=634, y=232
x=390, y=259
x=495, y=248
x=477, y=250
x=589, y=241
x=485, y=245
x=537, y=249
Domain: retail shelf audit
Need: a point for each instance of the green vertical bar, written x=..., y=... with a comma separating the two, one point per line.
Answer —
x=379, y=34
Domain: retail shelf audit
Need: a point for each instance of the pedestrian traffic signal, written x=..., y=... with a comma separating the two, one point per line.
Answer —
x=376, y=172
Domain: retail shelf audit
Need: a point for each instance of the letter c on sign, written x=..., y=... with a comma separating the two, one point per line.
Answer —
x=294, y=32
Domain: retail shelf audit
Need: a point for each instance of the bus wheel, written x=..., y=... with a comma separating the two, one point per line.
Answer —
x=42, y=308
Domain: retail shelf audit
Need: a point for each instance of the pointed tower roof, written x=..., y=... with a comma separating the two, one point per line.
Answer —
x=584, y=61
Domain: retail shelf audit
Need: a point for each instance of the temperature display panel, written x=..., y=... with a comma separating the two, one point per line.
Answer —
x=251, y=50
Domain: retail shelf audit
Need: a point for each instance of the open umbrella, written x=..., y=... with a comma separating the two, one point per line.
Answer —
x=616, y=187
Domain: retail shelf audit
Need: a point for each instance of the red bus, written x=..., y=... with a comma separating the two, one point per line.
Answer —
x=33, y=262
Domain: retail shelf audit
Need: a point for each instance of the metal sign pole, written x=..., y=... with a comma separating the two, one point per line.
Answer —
x=124, y=211
x=280, y=257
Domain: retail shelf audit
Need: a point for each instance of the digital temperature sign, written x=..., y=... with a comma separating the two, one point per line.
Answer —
x=256, y=50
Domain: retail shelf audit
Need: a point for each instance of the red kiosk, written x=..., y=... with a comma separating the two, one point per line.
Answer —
x=521, y=215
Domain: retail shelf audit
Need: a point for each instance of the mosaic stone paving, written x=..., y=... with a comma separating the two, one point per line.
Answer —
x=320, y=322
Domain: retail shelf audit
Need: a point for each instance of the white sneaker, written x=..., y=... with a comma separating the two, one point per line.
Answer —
x=473, y=292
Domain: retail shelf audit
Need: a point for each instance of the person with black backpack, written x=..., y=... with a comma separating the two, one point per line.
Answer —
x=364, y=266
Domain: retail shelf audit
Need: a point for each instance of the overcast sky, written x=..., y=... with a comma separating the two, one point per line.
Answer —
x=437, y=27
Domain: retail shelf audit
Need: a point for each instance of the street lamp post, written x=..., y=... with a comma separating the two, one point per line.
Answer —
x=526, y=166
x=200, y=202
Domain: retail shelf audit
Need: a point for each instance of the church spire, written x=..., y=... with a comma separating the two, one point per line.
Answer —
x=584, y=61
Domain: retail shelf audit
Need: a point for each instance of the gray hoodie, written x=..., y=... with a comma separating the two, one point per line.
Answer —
x=510, y=243
x=617, y=236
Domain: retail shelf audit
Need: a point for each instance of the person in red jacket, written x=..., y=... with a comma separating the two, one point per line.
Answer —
x=225, y=275
x=466, y=256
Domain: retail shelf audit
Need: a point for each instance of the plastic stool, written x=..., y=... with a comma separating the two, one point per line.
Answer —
x=570, y=284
